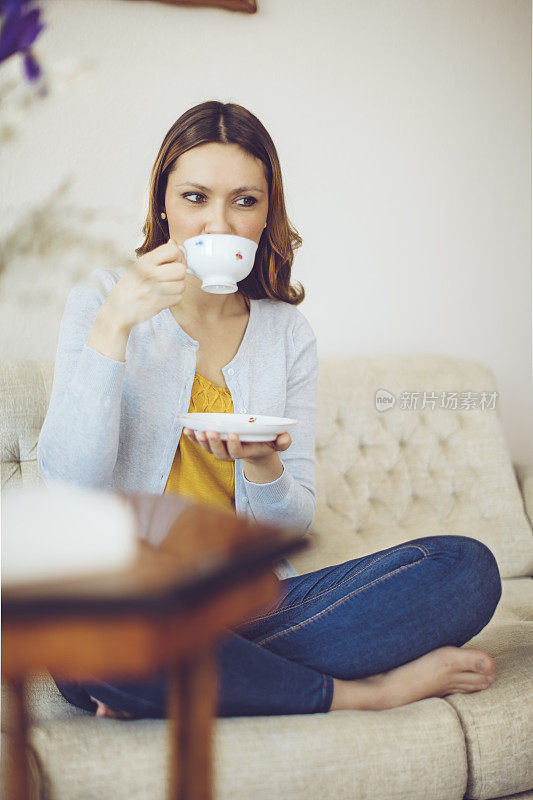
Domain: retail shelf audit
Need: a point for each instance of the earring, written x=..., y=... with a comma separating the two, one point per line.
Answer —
x=163, y=215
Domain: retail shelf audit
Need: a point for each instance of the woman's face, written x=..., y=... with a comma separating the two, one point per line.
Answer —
x=230, y=195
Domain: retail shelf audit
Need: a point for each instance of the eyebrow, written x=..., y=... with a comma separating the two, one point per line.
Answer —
x=235, y=191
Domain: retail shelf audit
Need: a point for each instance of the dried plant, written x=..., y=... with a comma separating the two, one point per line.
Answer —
x=54, y=244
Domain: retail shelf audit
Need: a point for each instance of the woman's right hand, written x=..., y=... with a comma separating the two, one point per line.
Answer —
x=156, y=281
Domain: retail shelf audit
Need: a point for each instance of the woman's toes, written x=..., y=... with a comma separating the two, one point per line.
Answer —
x=114, y=713
x=485, y=665
x=101, y=709
x=465, y=688
x=124, y=714
x=478, y=661
x=475, y=680
x=470, y=682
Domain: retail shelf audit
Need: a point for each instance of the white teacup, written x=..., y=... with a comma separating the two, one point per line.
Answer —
x=219, y=260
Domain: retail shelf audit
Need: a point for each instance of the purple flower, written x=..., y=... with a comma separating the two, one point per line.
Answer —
x=20, y=27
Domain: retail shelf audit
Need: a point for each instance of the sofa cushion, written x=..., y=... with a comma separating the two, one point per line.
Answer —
x=25, y=391
x=338, y=755
x=385, y=477
x=44, y=702
x=524, y=474
x=496, y=726
x=498, y=722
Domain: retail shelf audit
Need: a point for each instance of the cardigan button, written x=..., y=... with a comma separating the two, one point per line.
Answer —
x=231, y=371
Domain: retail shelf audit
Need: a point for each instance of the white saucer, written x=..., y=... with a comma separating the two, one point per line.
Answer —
x=249, y=427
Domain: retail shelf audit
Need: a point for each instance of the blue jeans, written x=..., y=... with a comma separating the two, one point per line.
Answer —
x=348, y=621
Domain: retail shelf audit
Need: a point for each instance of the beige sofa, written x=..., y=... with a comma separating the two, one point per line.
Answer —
x=383, y=477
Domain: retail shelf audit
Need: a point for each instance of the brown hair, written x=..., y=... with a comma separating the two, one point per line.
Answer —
x=229, y=123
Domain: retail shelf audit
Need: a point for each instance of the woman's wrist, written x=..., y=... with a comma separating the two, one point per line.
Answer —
x=263, y=470
x=108, y=336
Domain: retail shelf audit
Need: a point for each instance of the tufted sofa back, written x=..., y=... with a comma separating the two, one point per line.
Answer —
x=434, y=463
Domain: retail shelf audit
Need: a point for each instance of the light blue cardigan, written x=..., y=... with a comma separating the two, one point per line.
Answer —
x=112, y=424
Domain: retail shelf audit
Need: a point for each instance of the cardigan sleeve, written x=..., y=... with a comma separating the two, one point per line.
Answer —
x=79, y=438
x=291, y=498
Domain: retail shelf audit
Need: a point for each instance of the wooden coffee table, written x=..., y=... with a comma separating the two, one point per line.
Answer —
x=199, y=571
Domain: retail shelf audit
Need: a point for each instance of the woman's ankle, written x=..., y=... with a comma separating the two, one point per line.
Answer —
x=339, y=695
x=365, y=694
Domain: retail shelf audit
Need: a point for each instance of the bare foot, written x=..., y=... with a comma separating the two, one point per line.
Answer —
x=104, y=711
x=447, y=670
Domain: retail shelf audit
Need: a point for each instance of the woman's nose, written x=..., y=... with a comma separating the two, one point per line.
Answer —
x=217, y=221
x=217, y=227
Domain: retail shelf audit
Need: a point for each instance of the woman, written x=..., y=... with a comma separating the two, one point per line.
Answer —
x=146, y=343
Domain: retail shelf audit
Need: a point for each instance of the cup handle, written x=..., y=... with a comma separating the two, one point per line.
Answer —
x=189, y=270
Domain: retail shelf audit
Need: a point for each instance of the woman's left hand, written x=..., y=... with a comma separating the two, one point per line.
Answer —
x=211, y=442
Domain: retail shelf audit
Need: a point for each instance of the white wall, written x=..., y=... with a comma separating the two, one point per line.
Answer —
x=403, y=129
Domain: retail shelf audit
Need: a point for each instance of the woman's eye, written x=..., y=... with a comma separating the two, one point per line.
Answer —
x=196, y=194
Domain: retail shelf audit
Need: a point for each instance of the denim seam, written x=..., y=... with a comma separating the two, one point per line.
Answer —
x=336, y=586
x=334, y=605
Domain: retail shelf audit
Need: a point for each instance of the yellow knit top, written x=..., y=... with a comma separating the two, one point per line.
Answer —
x=196, y=473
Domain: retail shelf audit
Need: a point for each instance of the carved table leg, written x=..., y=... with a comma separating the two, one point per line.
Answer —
x=192, y=694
